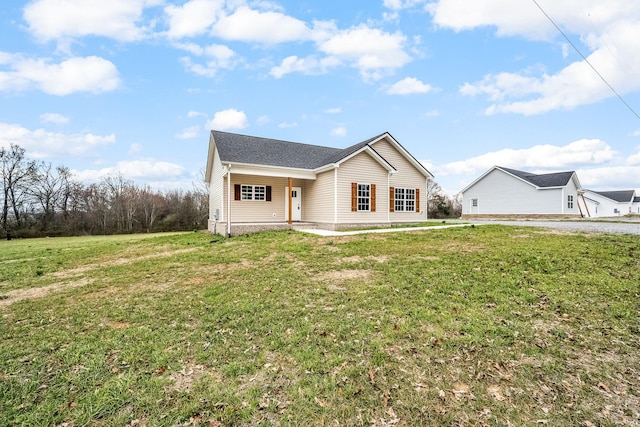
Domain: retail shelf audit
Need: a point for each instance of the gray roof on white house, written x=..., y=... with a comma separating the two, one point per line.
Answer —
x=620, y=196
x=236, y=148
x=556, y=179
x=253, y=150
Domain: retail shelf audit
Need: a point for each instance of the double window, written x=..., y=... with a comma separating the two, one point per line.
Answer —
x=570, y=201
x=253, y=192
x=257, y=193
x=404, y=199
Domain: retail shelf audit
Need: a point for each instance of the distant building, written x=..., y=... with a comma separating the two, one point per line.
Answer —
x=503, y=192
x=609, y=203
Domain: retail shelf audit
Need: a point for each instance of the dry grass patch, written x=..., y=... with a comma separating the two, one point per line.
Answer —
x=343, y=275
x=42, y=291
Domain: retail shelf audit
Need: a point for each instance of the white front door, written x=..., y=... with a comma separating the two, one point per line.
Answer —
x=296, y=203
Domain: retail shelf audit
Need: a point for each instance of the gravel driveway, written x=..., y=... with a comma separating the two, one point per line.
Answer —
x=615, y=226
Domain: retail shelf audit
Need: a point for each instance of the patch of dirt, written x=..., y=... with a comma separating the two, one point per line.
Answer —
x=461, y=247
x=11, y=261
x=34, y=293
x=342, y=275
x=190, y=373
x=118, y=261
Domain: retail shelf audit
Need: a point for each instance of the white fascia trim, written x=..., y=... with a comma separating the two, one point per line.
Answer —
x=273, y=171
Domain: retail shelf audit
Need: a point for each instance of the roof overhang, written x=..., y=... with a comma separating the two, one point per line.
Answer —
x=273, y=171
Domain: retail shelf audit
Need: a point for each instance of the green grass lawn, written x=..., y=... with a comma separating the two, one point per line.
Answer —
x=492, y=325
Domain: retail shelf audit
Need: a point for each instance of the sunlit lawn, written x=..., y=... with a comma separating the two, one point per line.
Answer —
x=488, y=325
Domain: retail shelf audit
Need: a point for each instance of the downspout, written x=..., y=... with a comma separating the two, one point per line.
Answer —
x=229, y=200
x=426, y=200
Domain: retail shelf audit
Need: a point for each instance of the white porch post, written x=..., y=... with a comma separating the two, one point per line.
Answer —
x=229, y=200
x=335, y=195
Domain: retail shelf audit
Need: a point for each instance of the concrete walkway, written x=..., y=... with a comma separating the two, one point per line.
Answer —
x=328, y=233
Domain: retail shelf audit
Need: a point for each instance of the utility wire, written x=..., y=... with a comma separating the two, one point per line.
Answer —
x=586, y=60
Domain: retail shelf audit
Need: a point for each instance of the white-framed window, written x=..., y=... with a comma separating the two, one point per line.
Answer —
x=405, y=200
x=570, y=201
x=364, y=197
x=474, y=203
x=253, y=192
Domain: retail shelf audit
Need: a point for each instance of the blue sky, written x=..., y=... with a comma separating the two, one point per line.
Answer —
x=133, y=87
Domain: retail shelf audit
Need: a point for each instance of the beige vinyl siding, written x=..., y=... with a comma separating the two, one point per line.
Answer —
x=362, y=169
x=318, y=198
x=407, y=176
x=260, y=211
x=216, y=192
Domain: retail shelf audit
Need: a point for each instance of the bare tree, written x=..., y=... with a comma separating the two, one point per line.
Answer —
x=15, y=171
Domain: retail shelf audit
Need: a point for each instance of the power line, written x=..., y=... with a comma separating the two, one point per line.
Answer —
x=586, y=60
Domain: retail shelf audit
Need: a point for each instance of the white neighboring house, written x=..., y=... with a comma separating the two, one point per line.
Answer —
x=609, y=203
x=501, y=192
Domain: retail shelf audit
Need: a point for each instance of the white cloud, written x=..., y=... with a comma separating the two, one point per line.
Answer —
x=634, y=159
x=370, y=50
x=409, y=85
x=135, y=148
x=309, y=65
x=134, y=170
x=41, y=144
x=539, y=157
x=54, y=118
x=196, y=114
x=400, y=4
x=192, y=18
x=228, y=119
x=263, y=120
x=78, y=74
x=610, y=178
x=339, y=131
x=189, y=133
x=335, y=110
x=216, y=56
x=432, y=113
x=269, y=27
x=608, y=33
x=285, y=125
x=60, y=19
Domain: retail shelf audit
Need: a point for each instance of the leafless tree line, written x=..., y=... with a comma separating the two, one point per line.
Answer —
x=38, y=199
x=441, y=205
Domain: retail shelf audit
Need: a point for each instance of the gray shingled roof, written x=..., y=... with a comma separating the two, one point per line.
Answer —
x=618, y=196
x=556, y=179
x=237, y=148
